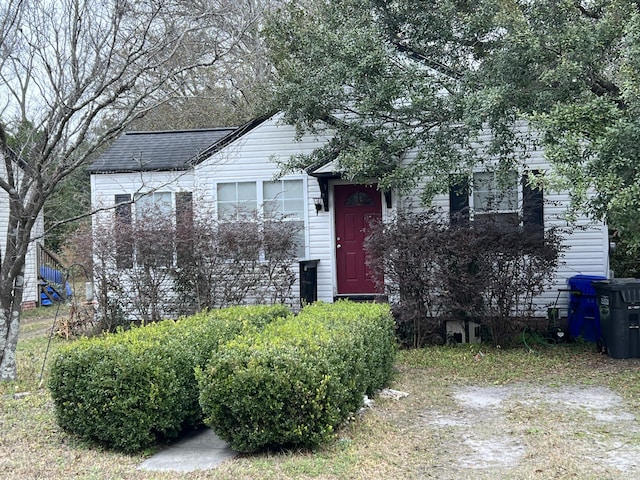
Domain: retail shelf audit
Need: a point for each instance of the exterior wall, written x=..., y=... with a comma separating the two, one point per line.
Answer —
x=105, y=186
x=254, y=157
x=31, y=291
x=586, y=242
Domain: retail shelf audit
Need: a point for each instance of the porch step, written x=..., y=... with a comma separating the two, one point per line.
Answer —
x=363, y=297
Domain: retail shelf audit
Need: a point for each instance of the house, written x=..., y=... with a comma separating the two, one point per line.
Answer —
x=31, y=294
x=238, y=168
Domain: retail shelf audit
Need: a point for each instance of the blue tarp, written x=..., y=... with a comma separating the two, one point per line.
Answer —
x=53, y=276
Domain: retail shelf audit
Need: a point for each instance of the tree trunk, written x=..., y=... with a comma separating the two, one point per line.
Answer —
x=10, y=309
x=8, y=366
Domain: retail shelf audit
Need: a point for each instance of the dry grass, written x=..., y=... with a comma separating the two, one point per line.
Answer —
x=426, y=435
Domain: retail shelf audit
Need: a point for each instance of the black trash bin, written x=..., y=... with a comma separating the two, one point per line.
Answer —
x=619, y=305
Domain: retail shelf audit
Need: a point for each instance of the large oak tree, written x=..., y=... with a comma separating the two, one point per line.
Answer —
x=411, y=74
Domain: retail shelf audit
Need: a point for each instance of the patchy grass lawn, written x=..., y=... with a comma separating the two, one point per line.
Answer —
x=559, y=412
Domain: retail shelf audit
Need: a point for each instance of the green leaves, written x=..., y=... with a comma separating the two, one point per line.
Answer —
x=294, y=383
x=414, y=87
x=131, y=389
x=348, y=59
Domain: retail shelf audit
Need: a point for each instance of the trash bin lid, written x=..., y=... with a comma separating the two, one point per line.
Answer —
x=629, y=288
x=584, y=283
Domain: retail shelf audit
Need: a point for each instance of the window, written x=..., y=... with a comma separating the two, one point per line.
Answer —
x=284, y=200
x=154, y=229
x=146, y=231
x=507, y=203
x=236, y=200
x=495, y=200
x=358, y=199
x=158, y=201
x=124, y=242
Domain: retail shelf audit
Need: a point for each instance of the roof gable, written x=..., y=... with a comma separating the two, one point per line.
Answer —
x=232, y=137
x=157, y=151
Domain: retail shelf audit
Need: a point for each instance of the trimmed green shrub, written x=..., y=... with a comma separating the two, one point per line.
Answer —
x=295, y=382
x=131, y=389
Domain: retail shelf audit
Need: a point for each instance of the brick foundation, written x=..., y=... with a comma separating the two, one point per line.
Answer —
x=30, y=305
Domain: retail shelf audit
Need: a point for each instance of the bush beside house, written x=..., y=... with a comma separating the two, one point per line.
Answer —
x=131, y=389
x=434, y=271
x=296, y=381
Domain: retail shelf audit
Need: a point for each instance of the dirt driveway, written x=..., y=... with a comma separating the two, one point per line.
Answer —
x=519, y=430
x=493, y=428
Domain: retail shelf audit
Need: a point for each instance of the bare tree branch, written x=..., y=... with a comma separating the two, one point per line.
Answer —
x=75, y=74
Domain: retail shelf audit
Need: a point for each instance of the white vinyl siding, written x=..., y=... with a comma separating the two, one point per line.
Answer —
x=254, y=157
x=586, y=241
x=31, y=283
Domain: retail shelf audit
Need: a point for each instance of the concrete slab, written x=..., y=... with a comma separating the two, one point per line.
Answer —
x=201, y=450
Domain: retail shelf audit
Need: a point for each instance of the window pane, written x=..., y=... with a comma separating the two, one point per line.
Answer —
x=490, y=194
x=154, y=201
x=284, y=197
x=293, y=189
x=506, y=200
x=299, y=239
x=123, y=236
x=358, y=199
x=226, y=192
x=162, y=201
x=246, y=191
x=293, y=208
x=226, y=211
x=481, y=200
x=271, y=208
x=272, y=190
x=246, y=208
x=483, y=181
x=284, y=239
x=143, y=202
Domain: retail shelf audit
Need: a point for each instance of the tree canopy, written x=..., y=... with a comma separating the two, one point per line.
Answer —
x=429, y=76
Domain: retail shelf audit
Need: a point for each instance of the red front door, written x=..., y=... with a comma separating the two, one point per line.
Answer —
x=355, y=207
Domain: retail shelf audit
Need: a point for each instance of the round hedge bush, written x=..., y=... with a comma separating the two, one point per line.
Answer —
x=295, y=382
x=131, y=389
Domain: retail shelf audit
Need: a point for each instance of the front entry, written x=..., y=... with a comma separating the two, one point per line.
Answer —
x=355, y=207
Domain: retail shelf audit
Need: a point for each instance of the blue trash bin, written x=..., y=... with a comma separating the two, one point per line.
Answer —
x=584, y=315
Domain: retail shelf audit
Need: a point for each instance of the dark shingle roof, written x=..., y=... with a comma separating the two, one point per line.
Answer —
x=157, y=151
